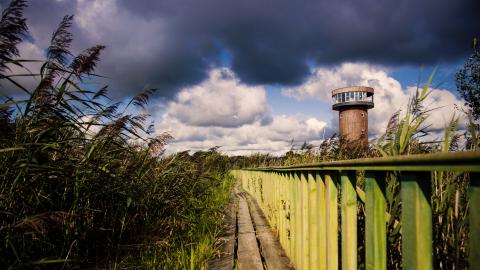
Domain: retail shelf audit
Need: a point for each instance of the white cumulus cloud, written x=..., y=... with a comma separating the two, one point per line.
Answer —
x=221, y=100
x=250, y=138
x=390, y=96
x=221, y=111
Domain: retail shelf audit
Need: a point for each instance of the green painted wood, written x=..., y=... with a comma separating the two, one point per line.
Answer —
x=375, y=223
x=288, y=216
x=332, y=222
x=277, y=201
x=281, y=197
x=423, y=162
x=283, y=212
x=298, y=222
x=259, y=187
x=348, y=206
x=305, y=222
x=313, y=213
x=459, y=167
x=416, y=214
x=474, y=221
x=416, y=221
x=270, y=195
x=294, y=220
x=322, y=222
x=291, y=222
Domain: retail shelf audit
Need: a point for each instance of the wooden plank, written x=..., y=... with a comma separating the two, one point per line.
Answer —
x=270, y=248
x=313, y=222
x=282, y=212
x=274, y=180
x=298, y=222
x=416, y=221
x=375, y=223
x=275, y=201
x=332, y=222
x=305, y=222
x=287, y=215
x=449, y=161
x=248, y=254
x=288, y=194
x=266, y=194
x=293, y=223
x=349, y=220
x=322, y=223
x=474, y=221
x=259, y=187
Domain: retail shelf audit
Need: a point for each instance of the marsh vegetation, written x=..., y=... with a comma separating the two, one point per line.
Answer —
x=86, y=184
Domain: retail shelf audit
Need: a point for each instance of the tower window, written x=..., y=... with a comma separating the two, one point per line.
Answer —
x=363, y=114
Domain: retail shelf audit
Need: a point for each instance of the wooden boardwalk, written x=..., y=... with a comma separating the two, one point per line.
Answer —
x=248, y=242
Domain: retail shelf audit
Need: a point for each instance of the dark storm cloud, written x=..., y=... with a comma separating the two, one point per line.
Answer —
x=170, y=44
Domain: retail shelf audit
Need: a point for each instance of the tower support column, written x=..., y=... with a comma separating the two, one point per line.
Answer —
x=353, y=103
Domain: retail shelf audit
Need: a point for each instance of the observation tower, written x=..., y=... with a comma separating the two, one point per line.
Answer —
x=353, y=103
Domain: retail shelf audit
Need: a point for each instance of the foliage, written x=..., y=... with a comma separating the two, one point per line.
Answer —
x=472, y=134
x=468, y=81
x=405, y=134
x=333, y=148
x=449, y=196
x=12, y=27
x=84, y=184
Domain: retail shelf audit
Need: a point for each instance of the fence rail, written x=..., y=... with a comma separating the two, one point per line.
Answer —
x=301, y=203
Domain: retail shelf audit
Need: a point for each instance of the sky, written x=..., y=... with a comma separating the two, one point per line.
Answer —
x=253, y=76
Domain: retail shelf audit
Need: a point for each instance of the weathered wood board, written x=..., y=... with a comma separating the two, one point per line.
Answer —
x=270, y=248
x=248, y=253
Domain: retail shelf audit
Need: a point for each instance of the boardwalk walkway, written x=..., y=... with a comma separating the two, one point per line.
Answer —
x=248, y=242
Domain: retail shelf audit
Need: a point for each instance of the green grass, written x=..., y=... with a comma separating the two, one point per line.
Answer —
x=85, y=184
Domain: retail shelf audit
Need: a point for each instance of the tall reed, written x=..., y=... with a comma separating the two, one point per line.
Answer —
x=83, y=183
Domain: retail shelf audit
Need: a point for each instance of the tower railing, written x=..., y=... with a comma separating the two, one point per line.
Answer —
x=351, y=97
x=302, y=203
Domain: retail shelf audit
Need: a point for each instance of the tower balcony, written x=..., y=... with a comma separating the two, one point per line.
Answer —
x=358, y=96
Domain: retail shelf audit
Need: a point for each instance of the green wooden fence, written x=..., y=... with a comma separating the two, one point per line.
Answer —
x=300, y=203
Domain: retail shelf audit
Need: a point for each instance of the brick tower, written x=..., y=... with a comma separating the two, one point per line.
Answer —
x=353, y=103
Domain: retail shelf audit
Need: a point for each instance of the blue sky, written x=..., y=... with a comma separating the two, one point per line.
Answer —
x=250, y=75
x=407, y=75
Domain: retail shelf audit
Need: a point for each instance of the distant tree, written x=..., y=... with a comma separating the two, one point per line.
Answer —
x=468, y=81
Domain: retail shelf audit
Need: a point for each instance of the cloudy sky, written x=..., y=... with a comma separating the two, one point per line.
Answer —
x=250, y=75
